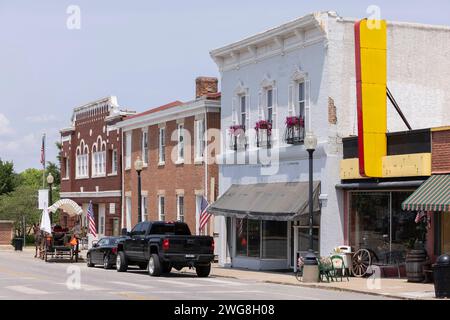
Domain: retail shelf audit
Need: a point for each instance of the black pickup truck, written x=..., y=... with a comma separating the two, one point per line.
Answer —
x=161, y=246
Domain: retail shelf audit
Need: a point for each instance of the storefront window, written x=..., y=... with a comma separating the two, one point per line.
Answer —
x=378, y=223
x=241, y=237
x=261, y=239
x=274, y=244
x=254, y=238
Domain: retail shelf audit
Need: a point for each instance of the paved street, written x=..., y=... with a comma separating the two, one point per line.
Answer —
x=23, y=277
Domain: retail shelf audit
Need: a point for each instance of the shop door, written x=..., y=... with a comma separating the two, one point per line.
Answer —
x=445, y=244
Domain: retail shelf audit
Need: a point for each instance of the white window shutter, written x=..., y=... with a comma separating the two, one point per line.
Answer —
x=260, y=105
x=308, y=102
x=247, y=112
x=291, y=108
x=233, y=111
x=274, y=107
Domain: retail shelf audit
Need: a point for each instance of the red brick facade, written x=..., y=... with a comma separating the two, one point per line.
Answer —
x=440, y=151
x=172, y=179
x=93, y=125
x=6, y=232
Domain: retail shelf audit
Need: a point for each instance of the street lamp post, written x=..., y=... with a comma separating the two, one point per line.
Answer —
x=50, y=180
x=311, y=269
x=138, y=164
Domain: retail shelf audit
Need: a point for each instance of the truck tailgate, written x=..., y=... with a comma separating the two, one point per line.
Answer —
x=190, y=244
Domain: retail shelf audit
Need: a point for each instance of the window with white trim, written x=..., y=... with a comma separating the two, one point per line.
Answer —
x=200, y=142
x=162, y=145
x=180, y=208
x=161, y=208
x=82, y=170
x=66, y=168
x=114, y=164
x=98, y=163
x=243, y=110
x=144, y=208
x=145, y=147
x=180, y=146
x=269, y=104
x=128, y=150
x=301, y=99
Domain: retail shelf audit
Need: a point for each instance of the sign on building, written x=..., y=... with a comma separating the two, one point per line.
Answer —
x=43, y=199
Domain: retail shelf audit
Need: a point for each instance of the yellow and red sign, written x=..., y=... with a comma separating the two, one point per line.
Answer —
x=371, y=78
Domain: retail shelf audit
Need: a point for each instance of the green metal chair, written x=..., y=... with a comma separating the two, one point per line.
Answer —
x=339, y=269
x=324, y=271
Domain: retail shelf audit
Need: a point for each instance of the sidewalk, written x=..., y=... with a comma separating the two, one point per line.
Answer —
x=389, y=287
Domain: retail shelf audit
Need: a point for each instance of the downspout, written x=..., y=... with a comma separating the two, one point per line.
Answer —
x=123, y=179
x=205, y=158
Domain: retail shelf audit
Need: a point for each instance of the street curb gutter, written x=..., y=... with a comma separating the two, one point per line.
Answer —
x=329, y=288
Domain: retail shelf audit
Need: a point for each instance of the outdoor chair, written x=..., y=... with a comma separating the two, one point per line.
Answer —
x=325, y=272
x=339, y=269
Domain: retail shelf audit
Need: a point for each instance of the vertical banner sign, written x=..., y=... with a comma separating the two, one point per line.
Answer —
x=371, y=75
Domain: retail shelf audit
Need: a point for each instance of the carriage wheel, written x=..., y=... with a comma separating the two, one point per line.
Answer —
x=361, y=261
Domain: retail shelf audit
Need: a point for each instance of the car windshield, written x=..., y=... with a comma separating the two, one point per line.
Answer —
x=179, y=229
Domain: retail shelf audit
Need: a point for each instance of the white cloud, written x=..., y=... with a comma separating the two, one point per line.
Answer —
x=5, y=127
x=44, y=118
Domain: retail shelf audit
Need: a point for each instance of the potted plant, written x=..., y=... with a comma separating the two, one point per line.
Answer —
x=237, y=133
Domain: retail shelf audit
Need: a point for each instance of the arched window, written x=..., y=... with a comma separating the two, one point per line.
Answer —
x=99, y=158
x=82, y=153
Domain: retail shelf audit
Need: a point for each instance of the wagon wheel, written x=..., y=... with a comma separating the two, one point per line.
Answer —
x=361, y=261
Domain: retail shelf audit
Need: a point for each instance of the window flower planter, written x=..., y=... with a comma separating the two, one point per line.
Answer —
x=263, y=133
x=295, y=130
x=238, y=137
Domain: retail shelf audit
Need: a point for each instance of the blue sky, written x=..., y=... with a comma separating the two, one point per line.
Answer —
x=146, y=53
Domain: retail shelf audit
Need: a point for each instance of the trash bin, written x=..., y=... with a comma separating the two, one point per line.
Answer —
x=441, y=275
x=18, y=244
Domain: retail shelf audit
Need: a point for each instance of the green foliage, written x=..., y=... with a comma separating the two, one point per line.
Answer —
x=8, y=179
x=31, y=177
x=20, y=203
x=54, y=170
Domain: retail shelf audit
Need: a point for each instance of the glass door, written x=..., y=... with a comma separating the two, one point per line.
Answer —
x=445, y=231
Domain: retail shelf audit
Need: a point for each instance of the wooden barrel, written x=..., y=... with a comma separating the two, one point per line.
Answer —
x=415, y=261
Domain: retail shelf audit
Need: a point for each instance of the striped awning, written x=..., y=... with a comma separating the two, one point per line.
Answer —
x=432, y=195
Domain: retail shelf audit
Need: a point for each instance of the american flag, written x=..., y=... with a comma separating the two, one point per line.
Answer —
x=204, y=215
x=43, y=150
x=91, y=218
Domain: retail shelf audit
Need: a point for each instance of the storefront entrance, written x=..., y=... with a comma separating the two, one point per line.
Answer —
x=445, y=231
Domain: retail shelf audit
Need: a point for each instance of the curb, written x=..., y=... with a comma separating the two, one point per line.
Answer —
x=329, y=288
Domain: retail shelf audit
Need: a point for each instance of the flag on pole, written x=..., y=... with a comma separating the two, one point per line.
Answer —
x=43, y=150
x=204, y=215
x=91, y=219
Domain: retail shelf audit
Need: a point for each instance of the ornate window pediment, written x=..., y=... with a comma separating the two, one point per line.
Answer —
x=267, y=82
x=240, y=89
x=299, y=75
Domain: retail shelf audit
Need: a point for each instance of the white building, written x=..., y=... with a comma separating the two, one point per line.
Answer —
x=307, y=67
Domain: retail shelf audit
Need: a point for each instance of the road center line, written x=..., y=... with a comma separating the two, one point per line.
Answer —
x=129, y=284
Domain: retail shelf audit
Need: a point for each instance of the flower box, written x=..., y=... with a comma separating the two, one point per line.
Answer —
x=238, y=139
x=295, y=130
x=263, y=133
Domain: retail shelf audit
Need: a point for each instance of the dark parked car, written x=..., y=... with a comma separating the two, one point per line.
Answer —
x=104, y=252
x=161, y=246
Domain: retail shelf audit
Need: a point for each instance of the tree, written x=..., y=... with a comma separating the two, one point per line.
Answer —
x=31, y=177
x=22, y=202
x=8, y=178
x=58, y=145
x=55, y=171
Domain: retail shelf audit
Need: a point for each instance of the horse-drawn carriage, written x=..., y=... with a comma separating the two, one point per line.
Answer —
x=60, y=245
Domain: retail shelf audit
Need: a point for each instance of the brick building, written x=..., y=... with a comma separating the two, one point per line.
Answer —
x=6, y=232
x=91, y=163
x=179, y=167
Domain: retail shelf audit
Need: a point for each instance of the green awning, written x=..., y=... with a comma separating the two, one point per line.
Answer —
x=432, y=195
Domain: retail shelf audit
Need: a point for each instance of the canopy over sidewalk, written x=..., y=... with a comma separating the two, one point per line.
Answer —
x=432, y=195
